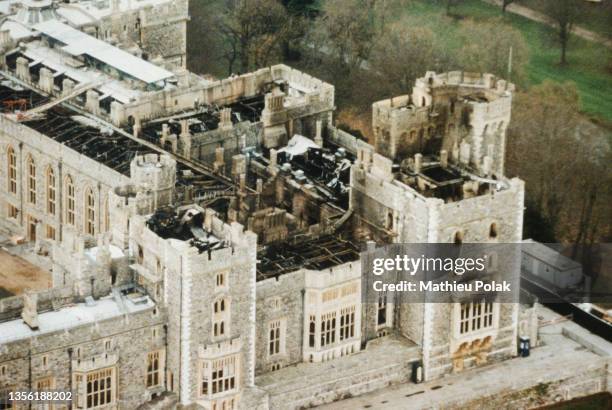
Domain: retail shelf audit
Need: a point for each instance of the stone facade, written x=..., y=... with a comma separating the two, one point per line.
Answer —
x=146, y=220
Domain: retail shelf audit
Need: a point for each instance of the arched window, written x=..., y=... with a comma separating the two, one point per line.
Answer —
x=70, y=201
x=12, y=170
x=31, y=180
x=220, y=317
x=90, y=212
x=458, y=239
x=51, y=198
x=106, y=214
x=493, y=231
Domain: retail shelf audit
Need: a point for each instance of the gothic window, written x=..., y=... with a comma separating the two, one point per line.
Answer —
x=12, y=170
x=31, y=180
x=90, y=212
x=347, y=323
x=220, y=317
x=382, y=309
x=311, y=332
x=275, y=341
x=70, y=201
x=51, y=192
x=153, y=369
x=95, y=389
x=328, y=329
x=106, y=214
x=219, y=376
x=475, y=316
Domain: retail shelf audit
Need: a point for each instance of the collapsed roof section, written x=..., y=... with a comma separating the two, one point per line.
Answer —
x=92, y=138
x=317, y=254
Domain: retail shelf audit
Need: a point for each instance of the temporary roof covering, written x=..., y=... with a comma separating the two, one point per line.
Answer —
x=78, y=43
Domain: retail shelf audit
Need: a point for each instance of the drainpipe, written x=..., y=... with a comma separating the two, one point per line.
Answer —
x=70, y=376
x=166, y=357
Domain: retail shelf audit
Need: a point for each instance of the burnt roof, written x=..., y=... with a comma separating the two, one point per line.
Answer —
x=317, y=254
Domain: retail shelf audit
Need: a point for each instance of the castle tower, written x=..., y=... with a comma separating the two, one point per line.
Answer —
x=209, y=293
x=410, y=191
x=156, y=174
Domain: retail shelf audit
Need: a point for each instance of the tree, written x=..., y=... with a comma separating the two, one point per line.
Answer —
x=564, y=161
x=486, y=53
x=403, y=54
x=253, y=31
x=505, y=4
x=565, y=13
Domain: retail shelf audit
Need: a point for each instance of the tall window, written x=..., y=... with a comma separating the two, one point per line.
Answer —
x=45, y=384
x=106, y=214
x=220, y=317
x=219, y=375
x=223, y=376
x=274, y=339
x=95, y=389
x=475, y=316
x=70, y=200
x=382, y=309
x=12, y=170
x=153, y=369
x=90, y=212
x=31, y=180
x=347, y=323
x=51, y=199
x=311, y=332
x=328, y=329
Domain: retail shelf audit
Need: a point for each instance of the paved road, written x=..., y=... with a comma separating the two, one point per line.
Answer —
x=542, y=18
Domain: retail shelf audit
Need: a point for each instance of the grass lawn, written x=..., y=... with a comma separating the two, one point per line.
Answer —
x=595, y=16
x=590, y=64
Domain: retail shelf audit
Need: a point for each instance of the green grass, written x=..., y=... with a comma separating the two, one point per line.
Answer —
x=590, y=64
x=593, y=16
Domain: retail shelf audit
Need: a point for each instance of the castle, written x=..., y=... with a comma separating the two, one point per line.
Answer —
x=205, y=236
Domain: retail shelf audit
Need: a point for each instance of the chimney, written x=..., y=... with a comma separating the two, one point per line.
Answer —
x=219, y=159
x=464, y=153
x=184, y=128
x=273, y=161
x=319, y=133
x=29, y=313
x=226, y=119
x=487, y=165
x=242, y=182
x=418, y=163
x=444, y=158
x=137, y=126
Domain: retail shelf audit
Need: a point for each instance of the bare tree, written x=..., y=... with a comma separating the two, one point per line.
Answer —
x=402, y=55
x=253, y=31
x=564, y=160
x=565, y=13
x=482, y=52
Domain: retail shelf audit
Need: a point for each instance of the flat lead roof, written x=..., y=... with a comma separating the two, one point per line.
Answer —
x=78, y=43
